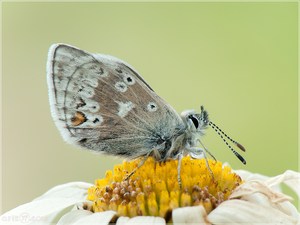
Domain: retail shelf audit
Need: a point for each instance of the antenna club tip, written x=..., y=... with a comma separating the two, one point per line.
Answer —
x=240, y=147
x=240, y=157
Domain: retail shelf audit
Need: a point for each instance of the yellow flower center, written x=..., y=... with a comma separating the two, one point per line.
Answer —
x=153, y=190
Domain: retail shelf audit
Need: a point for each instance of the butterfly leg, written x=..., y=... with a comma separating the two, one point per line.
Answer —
x=198, y=153
x=180, y=155
x=139, y=165
x=206, y=150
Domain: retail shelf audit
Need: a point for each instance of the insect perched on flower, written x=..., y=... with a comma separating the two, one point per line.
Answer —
x=102, y=104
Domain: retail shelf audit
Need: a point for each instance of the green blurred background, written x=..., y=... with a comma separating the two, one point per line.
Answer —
x=237, y=59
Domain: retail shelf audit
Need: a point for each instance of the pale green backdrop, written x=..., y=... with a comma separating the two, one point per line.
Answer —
x=237, y=59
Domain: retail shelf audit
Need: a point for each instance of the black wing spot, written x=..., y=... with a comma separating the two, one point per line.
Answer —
x=119, y=70
x=80, y=104
x=129, y=79
x=152, y=107
x=96, y=120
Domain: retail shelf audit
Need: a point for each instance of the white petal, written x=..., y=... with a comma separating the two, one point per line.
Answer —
x=290, y=178
x=67, y=190
x=99, y=218
x=251, y=187
x=289, y=209
x=283, y=206
x=190, y=215
x=36, y=210
x=246, y=175
x=236, y=212
x=147, y=220
x=73, y=216
x=48, y=205
x=122, y=220
x=261, y=193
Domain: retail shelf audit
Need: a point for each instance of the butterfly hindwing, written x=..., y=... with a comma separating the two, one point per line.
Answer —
x=102, y=104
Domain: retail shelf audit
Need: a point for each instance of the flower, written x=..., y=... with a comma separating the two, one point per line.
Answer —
x=225, y=198
x=153, y=190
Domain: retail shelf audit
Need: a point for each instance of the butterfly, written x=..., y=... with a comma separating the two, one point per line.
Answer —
x=101, y=103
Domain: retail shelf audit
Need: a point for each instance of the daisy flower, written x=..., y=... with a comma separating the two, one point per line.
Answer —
x=152, y=195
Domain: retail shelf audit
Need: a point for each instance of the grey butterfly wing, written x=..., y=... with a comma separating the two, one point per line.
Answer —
x=100, y=103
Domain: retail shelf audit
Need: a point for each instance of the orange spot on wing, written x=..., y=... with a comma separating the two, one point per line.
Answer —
x=78, y=119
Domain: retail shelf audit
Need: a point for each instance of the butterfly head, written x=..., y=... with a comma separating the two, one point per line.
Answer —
x=196, y=122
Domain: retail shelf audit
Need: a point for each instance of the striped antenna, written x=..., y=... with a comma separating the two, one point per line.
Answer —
x=215, y=127
x=221, y=133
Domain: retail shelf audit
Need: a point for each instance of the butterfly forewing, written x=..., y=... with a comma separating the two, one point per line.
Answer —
x=103, y=104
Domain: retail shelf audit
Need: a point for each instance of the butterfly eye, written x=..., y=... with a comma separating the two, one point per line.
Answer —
x=194, y=120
